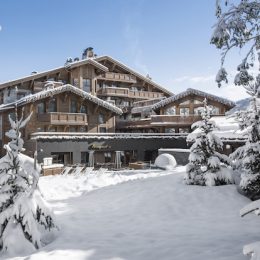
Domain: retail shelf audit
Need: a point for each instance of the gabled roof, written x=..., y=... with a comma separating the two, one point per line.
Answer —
x=53, y=71
x=119, y=64
x=196, y=92
x=54, y=91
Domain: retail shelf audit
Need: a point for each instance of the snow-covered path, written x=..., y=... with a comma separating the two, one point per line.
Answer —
x=154, y=218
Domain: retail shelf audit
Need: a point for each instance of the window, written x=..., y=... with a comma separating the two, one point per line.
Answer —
x=83, y=129
x=76, y=82
x=101, y=118
x=170, y=130
x=184, y=130
x=73, y=106
x=83, y=109
x=214, y=110
x=41, y=108
x=102, y=130
x=53, y=129
x=20, y=95
x=184, y=111
x=198, y=110
x=84, y=157
x=64, y=158
x=73, y=129
x=108, y=157
x=53, y=105
x=171, y=110
x=12, y=115
x=87, y=85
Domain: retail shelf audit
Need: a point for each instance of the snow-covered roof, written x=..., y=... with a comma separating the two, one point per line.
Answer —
x=143, y=109
x=53, y=71
x=144, y=78
x=64, y=88
x=227, y=129
x=191, y=91
x=101, y=136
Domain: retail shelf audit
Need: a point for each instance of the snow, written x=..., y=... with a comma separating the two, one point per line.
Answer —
x=226, y=128
x=85, y=136
x=242, y=104
x=191, y=91
x=174, y=150
x=146, y=218
x=165, y=161
x=49, y=92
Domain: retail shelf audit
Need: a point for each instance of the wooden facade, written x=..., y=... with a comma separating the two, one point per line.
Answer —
x=118, y=100
x=64, y=112
x=173, y=115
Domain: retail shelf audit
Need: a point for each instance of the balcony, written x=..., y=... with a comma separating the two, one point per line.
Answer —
x=118, y=77
x=172, y=120
x=133, y=124
x=117, y=92
x=145, y=94
x=57, y=118
x=125, y=92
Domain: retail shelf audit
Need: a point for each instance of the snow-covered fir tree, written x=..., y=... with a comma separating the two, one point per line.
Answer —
x=207, y=166
x=247, y=158
x=238, y=27
x=25, y=220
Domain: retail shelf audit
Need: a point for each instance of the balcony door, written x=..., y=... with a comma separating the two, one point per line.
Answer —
x=52, y=105
x=73, y=106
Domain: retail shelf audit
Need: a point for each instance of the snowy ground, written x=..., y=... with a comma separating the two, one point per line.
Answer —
x=146, y=218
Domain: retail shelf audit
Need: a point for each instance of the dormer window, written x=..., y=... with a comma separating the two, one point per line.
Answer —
x=73, y=106
x=52, y=105
x=41, y=108
x=101, y=118
x=87, y=85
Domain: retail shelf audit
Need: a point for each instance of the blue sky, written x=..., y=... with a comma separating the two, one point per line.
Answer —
x=169, y=39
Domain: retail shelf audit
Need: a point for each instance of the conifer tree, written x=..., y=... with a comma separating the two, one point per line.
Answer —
x=23, y=212
x=205, y=162
x=247, y=158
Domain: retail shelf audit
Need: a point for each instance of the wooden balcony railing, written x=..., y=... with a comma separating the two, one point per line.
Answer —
x=125, y=92
x=132, y=124
x=109, y=91
x=145, y=94
x=165, y=120
x=118, y=77
x=57, y=118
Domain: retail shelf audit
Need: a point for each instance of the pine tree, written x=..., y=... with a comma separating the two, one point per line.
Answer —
x=247, y=158
x=206, y=165
x=23, y=212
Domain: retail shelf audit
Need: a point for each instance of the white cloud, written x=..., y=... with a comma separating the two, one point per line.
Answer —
x=1, y=28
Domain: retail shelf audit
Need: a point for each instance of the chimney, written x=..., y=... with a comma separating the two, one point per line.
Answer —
x=88, y=53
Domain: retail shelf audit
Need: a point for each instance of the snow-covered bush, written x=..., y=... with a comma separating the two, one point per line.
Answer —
x=25, y=221
x=206, y=165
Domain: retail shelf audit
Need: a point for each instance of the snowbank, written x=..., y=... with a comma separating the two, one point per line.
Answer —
x=149, y=218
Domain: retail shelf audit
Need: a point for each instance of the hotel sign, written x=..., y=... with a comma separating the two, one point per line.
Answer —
x=98, y=146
